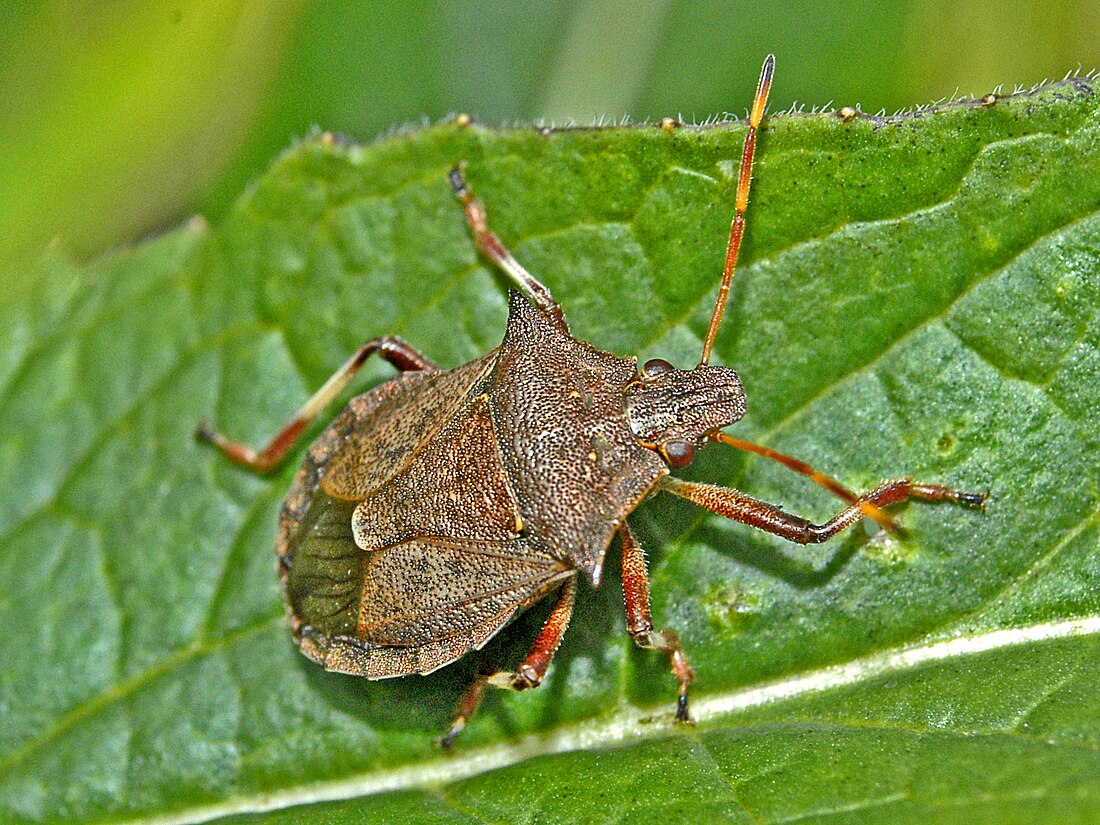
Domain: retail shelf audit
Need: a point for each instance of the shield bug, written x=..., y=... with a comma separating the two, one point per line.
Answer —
x=442, y=503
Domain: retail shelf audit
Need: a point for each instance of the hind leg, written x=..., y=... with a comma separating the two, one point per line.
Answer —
x=393, y=349
x=529, y=674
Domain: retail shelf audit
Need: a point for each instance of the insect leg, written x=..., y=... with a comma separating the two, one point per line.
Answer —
x=491, y=245
x=639, y=623
x=466, y=707
x=817, y=477
x=734, y=504
x=391, y=348
x=529, y=674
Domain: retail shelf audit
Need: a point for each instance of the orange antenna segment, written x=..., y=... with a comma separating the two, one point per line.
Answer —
x=877, y=514
x=743, y=181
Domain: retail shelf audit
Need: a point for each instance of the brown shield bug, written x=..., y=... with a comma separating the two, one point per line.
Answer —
x=442, y=503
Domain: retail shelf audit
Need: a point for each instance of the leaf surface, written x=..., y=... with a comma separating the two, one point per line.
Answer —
x=918, y=295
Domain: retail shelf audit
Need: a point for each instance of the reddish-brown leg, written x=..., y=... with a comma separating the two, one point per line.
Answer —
x=736, y=505
x=817, y=477
x=639, y=623
x=496, y=252
x=391, y=348
x=529, y=674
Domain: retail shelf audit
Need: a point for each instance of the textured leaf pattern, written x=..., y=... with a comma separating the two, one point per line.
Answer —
x=920, y=295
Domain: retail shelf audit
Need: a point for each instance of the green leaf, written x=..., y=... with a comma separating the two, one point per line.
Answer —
x=919, y=295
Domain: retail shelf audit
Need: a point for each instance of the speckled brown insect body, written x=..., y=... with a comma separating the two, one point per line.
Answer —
x=442, y=503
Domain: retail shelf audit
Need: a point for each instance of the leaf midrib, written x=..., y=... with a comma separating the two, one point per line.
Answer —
x=627, y=726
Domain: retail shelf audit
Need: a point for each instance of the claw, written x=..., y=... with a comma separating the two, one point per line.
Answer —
x=448, y=739
x=682, y=714
x=973, y=499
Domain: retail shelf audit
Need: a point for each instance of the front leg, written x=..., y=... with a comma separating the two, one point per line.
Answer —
x=734, y=504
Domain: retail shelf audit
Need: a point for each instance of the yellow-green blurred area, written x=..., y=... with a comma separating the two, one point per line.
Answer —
x=120, y=118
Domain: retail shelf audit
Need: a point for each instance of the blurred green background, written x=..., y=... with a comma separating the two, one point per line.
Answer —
x=120, y=118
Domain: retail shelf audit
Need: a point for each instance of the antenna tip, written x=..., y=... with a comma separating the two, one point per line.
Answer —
x=762, y=89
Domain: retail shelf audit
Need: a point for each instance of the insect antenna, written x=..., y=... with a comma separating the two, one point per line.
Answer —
x=877, y=514
x=743, y=181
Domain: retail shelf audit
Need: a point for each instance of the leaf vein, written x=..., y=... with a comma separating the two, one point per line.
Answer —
x=183, y=361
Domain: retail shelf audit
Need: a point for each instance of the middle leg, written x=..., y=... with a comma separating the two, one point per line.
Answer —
x=487, y=241
x=639, y=622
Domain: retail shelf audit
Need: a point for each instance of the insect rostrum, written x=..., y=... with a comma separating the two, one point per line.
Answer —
x=442, y=503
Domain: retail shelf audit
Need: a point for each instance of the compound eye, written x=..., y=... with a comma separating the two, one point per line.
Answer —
x=678, y=453
x=655, y=367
